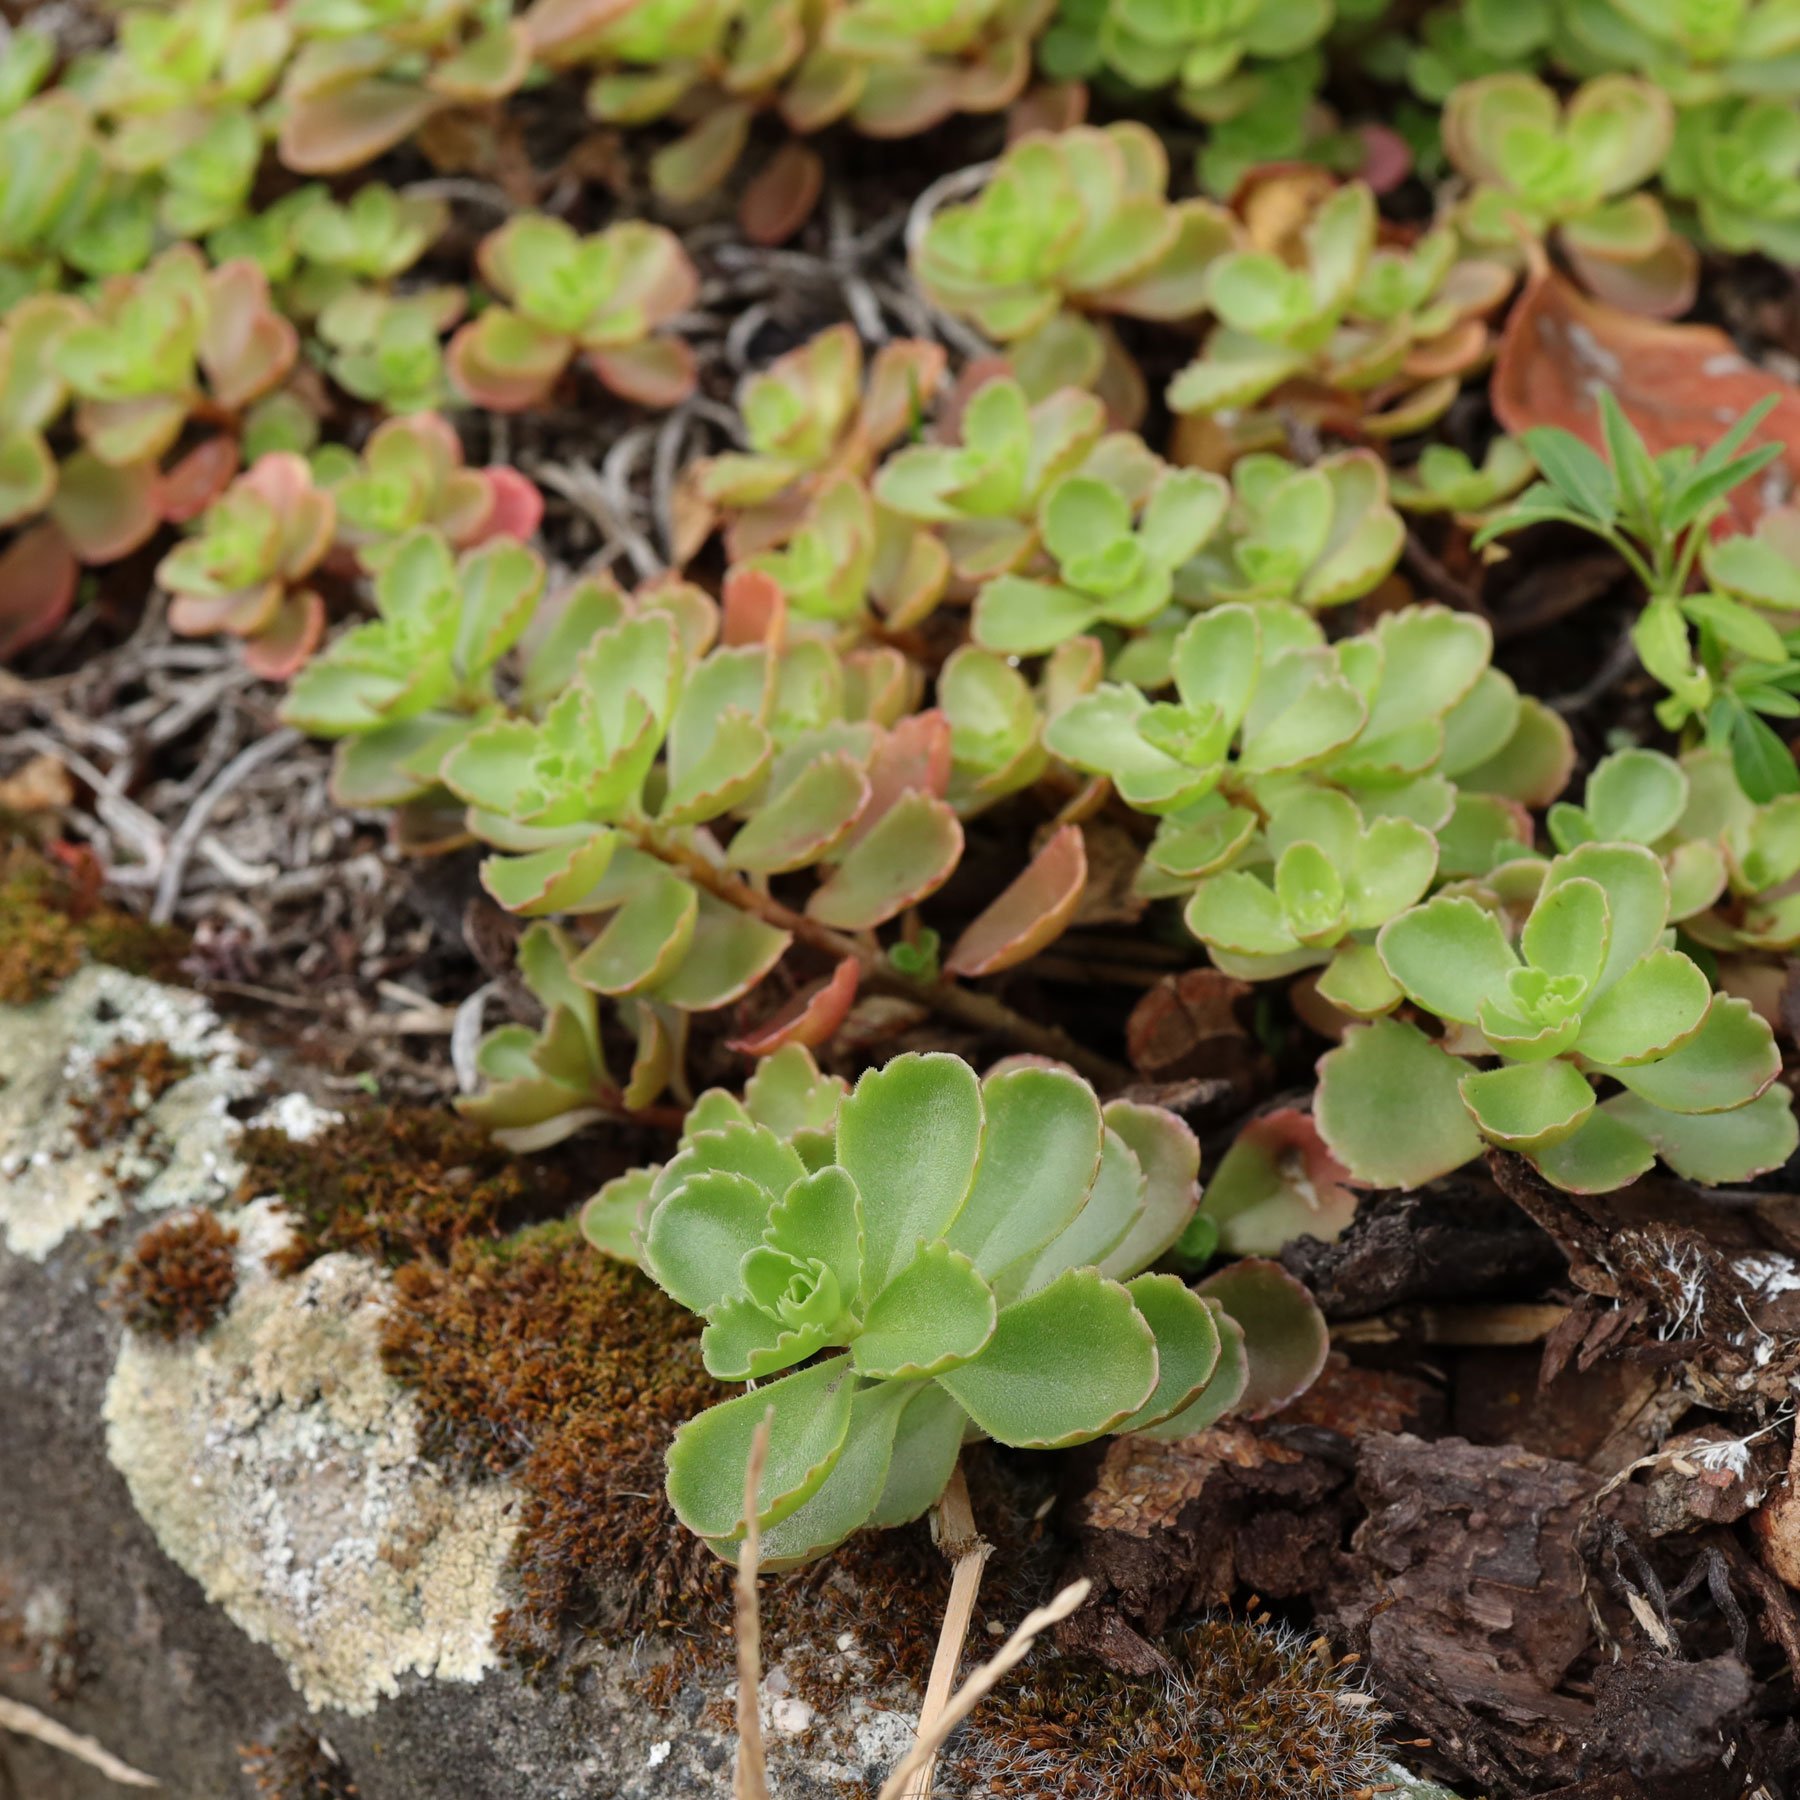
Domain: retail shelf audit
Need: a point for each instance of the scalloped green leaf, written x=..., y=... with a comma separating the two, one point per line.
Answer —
x=1526, y=1106
x=1731, y=1059
x=699, y=1235
x=935, y=1314
x=710, y=1456
x=1040, y=1156
x=1447, y=956
x=1187, y=1346
x=926, y=1446
x=1389, y=1109
x=1064, y=1366
x=909, y=1135
x=1647, y=1012
x=644, y=941
x=1716, y=1148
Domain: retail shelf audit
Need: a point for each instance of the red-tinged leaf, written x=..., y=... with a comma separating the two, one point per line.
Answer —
x=280, y=649
x=1277, y=1182
x=810, y=1018
x=910, y=854
x=555, y=23
x=1678, y=384
x=1387, y=158
x=196, y=480
x=105, y=513
x=516, y=508
x=38, y=573
x=782, y=195
x=1033, y=911
x=753, y=609
x=1285, y=1335
x=346, y=126
x=660, y=371
x=913, y=758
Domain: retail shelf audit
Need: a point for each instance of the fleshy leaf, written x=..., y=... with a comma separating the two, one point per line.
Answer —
x=935, y=1314
x=1285, y=1336
x=1187, y=1346
x=1726, y=1064
x=1066, y=1365
x=908, y=855
x=1031, y=912
x=1389, y=1109
x=1714, y=1148
x=909, y=1135
x=1526, y=1106
x=926, y=1447
x=609, y=1221
x=1040, y=1155
x=710, y=1453
x=700, y=1234
x=1656, y=1005
x=1447, y=955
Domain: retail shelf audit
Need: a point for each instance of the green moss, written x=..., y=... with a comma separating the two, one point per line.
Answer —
x=395, y=1184
x=52, y=920
x=180, y=1278
x=537, y=1359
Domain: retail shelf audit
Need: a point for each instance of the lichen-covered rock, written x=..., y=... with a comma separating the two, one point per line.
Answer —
x=179, y=1152
x=279, y=1465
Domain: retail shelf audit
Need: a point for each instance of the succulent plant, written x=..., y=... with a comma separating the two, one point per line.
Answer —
x=1588, y=992
x=1445, y=480
x=970, y=1250
x=807, y=417
x=603, y=297
x=403, y=689
x=1076, y=219
x=245, y=568
x=1638, y=796
x=1472, y=38
x=544, y=1085
x=60, y=206
x=155, y=348
x=1694, y=53
x=982, y=495
x=1114, y=564
x=1194, y=44
x=389, y=348
x=1389, y=332
x=1759, y=910
x=1737, y=164
x=1578, y=170
x=411, y=474
x=368, y=73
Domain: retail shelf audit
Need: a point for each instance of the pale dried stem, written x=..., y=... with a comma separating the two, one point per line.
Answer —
x=968, y=1552
x=27, y=1721
x=973, y=1691
x=750, y=1780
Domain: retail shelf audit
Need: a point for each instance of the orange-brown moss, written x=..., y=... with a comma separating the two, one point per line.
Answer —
x=180, y=1278
x=296, y=1765
x=123, y=1083
x=52, y=920
x=396, y=1184
x=537, y=1358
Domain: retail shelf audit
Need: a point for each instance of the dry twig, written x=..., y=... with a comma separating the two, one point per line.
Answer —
x=27, y=1721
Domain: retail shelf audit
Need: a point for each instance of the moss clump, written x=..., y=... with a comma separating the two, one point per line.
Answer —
x=52, y=920
x=1250, y=1710
x=396, y=1184
x=180, y=1278
x=124, y=1083
x=537, y=1359
x=297, y=1765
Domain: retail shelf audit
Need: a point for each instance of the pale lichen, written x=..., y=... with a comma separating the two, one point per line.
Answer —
x=51, y=1181
x=279, y=1465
